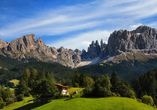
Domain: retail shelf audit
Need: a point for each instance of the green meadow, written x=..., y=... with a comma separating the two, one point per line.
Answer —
x=110, y=103
x=15, y=81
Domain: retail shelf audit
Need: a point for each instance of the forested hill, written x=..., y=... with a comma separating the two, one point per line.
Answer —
x=6, y=62
x=59, y=71
x=125, y=70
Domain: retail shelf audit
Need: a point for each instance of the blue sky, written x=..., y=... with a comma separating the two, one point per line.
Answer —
x=73, y=23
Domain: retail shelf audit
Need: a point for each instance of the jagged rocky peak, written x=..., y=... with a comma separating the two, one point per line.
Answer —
x=2, y=43
x=40, y=41
x=146, y=29
x=61, y=49
x=94, y=50
x=103, y=44
x=29, y=40
x=143, y=37
x=23, y=43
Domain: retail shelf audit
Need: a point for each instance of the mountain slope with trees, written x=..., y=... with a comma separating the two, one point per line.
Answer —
x=125, y=70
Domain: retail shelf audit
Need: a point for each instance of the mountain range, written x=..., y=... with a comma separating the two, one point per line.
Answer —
x=137, y=45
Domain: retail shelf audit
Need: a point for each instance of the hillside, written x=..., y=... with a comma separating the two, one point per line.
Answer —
x=126, y=70
x=7, y=62
x=111, y=103
x=59, y=71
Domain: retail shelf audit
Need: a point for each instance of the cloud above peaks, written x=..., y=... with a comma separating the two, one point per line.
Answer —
x=83, y=21
x=83, y=40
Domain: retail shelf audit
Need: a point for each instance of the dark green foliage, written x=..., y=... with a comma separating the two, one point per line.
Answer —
x=79, y=80
x=146, y=85
x=2, y=104
x=125, y=70
x=22, y=88
x=44, y=90
x=9, y=101
x=147, y=100
x=19, y=97
x=37, y=83
x=115, y=81
x=5, y=92
x=7, y=62
x=89, y=82
x=102, y=86
x=58, y=71
x=5, y=76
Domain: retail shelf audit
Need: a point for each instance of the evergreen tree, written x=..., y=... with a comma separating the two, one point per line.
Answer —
x=44, y=90
x=63, y=81
x=115, y=81
x=76, y=79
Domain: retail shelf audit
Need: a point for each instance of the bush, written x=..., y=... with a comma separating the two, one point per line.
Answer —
x=131, y=94
x=147, y=100
x=139, y=100
x=118, y=95
x=114, y=94
x=2, y=104
x=27, y=94
x=19, y=97
x=9, y=101
x=76, y=85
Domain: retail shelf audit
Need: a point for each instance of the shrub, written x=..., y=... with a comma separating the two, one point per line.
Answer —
x=19, y=97
x=147, y=100
x=9, y=101
x=131, y=94
x=76, y=85
x=114, y=94
x=118, y=95
x=139, y=100
x=2, y=104
x=27, y=94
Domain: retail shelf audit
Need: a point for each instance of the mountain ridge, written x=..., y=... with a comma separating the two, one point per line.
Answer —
x=121, y=42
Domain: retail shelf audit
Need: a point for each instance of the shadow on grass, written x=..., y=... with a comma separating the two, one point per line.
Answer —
x=31, y=106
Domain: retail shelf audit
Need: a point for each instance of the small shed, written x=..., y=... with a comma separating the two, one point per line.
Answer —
x=62, y=89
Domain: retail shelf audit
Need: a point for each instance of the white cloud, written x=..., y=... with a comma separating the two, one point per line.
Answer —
x=98, y=15
x=83, y=40
x=133, y=27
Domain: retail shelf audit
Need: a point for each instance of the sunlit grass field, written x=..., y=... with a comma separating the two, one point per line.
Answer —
x=15, y=81
x=110, y=103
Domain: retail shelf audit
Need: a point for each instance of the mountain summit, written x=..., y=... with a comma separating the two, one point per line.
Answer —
x=120, y=43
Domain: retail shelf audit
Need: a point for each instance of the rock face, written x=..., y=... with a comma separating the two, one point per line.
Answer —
x=27, y=48
x=2, y=43
x=143, y=38
x=94, y=50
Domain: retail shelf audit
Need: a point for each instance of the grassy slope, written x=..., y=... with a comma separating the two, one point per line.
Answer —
x=17, y=104
x=15, y=81
x=75, y=89
x=111, y=103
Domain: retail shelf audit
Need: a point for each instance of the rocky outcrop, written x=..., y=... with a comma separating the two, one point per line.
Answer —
x=2, y=44
x=142, y=38
x=27, y=48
